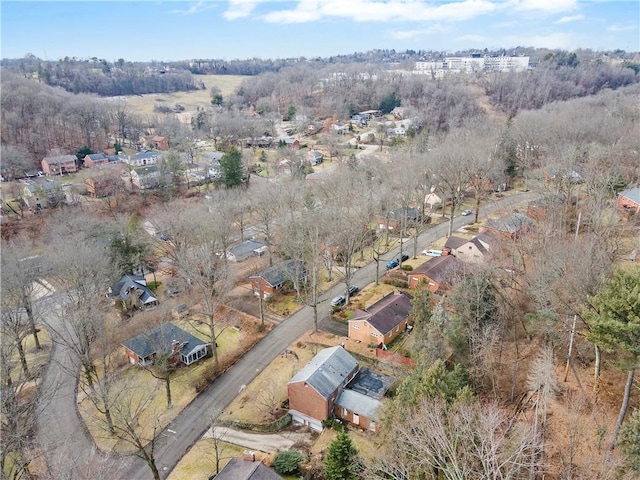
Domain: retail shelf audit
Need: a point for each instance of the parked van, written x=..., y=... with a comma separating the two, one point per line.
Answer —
x=432, y=253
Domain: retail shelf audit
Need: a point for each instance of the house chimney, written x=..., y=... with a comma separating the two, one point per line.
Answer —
x=249, y=456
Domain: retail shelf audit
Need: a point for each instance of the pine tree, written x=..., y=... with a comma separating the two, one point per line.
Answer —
x=342, y=462
x=231, y=163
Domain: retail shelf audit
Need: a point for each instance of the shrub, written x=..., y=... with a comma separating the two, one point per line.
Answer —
x=207, y=376
x=395, y=283
x=288, y=462
x=406, y=267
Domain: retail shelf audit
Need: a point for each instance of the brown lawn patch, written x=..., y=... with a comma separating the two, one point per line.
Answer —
x=200, y=460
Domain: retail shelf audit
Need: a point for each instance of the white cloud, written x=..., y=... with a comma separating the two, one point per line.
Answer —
x=548, y=6
x=571, y=18
x=239, y=9
x=423, y=32
x=195, y=7
x=622, y=28
x=382, y=10
x=470, y=38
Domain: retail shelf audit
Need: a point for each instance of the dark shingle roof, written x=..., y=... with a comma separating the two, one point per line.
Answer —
x=327, y=370
x=239, y=469
x=454, y=242
x=162, y=338
x=60, y=159
x=245, y=247
x=97, y=156
x=632, y=194
x=388, y=312
x=509, y=224
x=278, y=274
x=439, y=268
x=136, y=282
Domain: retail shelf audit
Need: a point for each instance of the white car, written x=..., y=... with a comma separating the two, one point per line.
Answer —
x=432, y=253
x=466, y=213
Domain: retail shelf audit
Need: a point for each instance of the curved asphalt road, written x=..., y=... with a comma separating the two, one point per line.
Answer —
x=59, y=423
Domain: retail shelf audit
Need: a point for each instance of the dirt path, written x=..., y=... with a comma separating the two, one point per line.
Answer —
x=269, y=443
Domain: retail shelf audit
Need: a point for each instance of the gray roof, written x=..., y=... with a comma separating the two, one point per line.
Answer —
x=439, y=269
x=327, y=370
x=454, y=242
x=122, y=288
x=97, y=156
x=60, y=159
x=147, y=170
x=245, y=247
x=239, y=469
x=358, y=403
x=371, y=383
x=510, y=223
x=277, y=274
x=213, y=156
x=162, y=338
x=632, y=194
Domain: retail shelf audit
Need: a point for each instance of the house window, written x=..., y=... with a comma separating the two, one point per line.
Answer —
x=345, y=412
x=356, y=327
x=397, y=328
x=374, y=334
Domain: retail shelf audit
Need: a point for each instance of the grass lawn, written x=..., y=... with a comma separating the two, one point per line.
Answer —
x=139, y=385
x=200, y=460
x=143, y=105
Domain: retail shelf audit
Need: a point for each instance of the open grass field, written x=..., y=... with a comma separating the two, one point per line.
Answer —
x=143, y=104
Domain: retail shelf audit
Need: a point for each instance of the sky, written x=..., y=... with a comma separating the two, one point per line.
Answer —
x=240, y=29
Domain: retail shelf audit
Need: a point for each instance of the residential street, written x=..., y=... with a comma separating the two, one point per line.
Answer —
x=60, y=425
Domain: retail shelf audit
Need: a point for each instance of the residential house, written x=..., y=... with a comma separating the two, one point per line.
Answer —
x=140, y=159
x=246, y=469
x=94, y=160
x=132, y=291
x=42, y=194
x=285, y=141
x=359, y=403
x=167, y=338
x=314, y=157
x=156, y=142
x=538, y=209
x=394, y=219
x=399, y=113
x=273, y=278
x=509, y=226
x=246, y=249
x=333, y=385
x=475, y=250
x=439, y=273
x=143, y=177
x=432, y=201
x=383, y=321
x=629, y=200
x=313, y=390
x=59, y=164
x=102, y=185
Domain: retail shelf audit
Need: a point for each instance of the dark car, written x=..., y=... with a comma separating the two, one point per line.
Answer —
x=353, y=290
x=404, y=258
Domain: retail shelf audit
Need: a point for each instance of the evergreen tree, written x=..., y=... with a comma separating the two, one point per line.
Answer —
x=342, y=462
x=231, y=163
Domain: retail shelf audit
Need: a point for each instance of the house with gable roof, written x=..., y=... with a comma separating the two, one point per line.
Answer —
x=168, y=338
x=509, y=226
x=383, y=321
x=59, y=164
x=246, y=468
x=629, y=200
x=93, y=160
x=475, y=250
x=246, y=249
x=439, y=272
x=273, y=278
x=333, y=385
x=132, y=290
x=313, y=390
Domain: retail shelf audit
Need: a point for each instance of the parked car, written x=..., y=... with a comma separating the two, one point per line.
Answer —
x=392, y=264
x=432, y=253
x=466, y=213
x=404, y=258
x=353, y=290
x=338, y=301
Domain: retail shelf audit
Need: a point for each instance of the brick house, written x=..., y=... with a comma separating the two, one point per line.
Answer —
x=439, y=273
x=383, y=321
x=95, y=160
x=155, y=141
x=132, y=290
x=393, y=220
x=266, y=282
x=59, y=164
x=629, y=200
x=184, y=347
x=509, y=226
x=332, y=384
x=102, y=185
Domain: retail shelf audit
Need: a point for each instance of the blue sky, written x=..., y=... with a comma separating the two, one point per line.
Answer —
x=229, y=29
